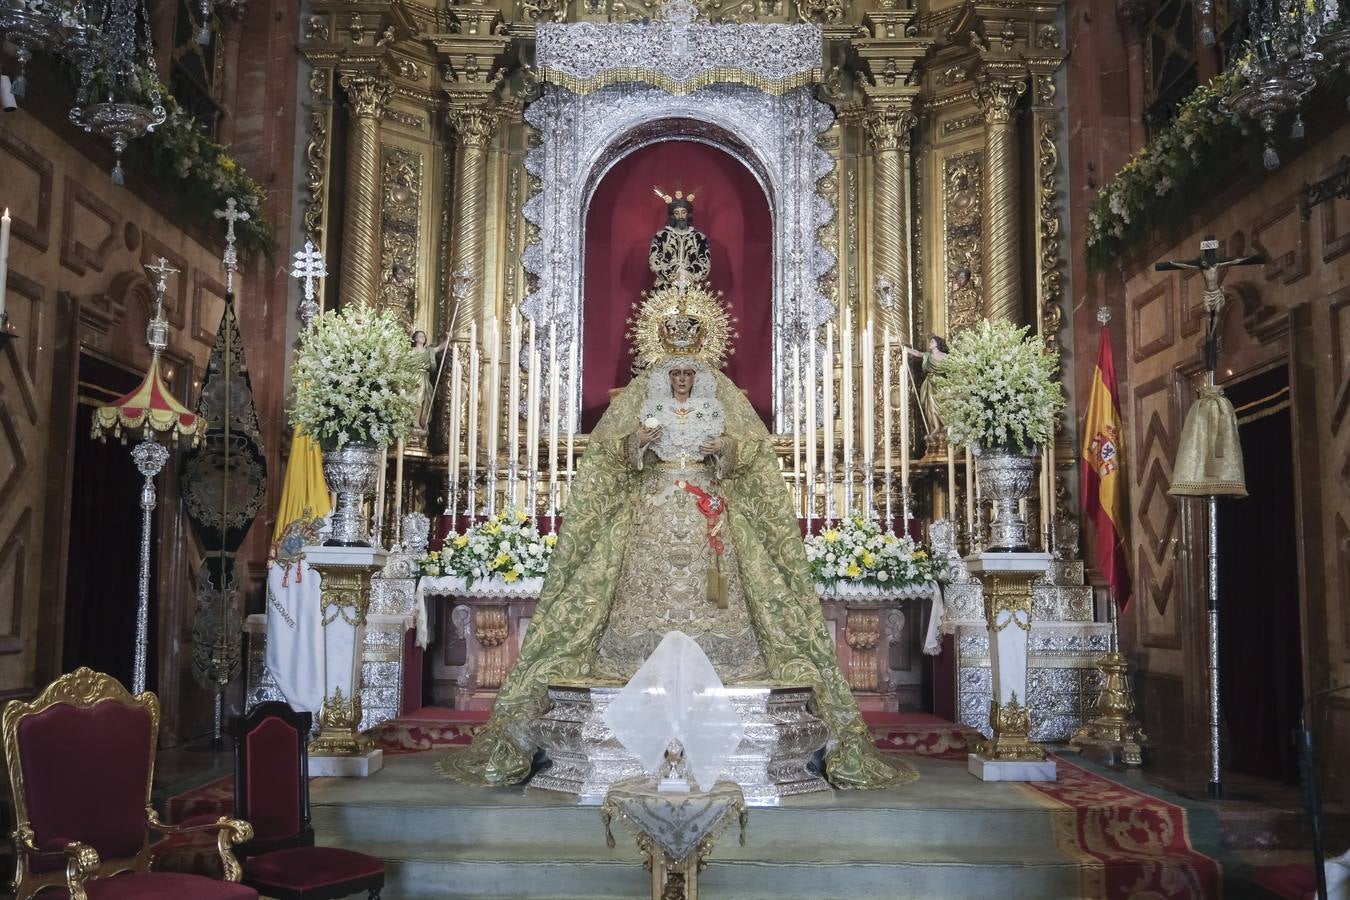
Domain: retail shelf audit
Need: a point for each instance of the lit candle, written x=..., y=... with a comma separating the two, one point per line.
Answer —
x=532, y=421
x=553, y=381
x=572, y=403
x=886, y=407
x=513, y=405
x=951, y=484
x=797, y=425
x=456, y=383
x=494, y=408
x=4, y=259
x=475, y=363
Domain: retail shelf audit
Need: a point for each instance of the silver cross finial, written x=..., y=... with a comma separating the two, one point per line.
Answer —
x=231, y=214
x=157, y=332
x=309, y=267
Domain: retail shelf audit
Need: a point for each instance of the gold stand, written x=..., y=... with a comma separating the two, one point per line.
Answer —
x=1115, y=730
x=345, y=573
x=1008, y=580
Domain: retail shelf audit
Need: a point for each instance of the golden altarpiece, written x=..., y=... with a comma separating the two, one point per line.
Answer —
x=911, y=160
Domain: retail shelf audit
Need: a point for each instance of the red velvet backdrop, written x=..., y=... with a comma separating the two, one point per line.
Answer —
x=730, y=208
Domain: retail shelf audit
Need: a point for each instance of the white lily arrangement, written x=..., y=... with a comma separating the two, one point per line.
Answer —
x=356, y=379
x=858, y=552
x=507, y=546
x=997, y=389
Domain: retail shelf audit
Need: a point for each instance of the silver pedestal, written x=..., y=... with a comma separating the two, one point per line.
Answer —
x=781, y=736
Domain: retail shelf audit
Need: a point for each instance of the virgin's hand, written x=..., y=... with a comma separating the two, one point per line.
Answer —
x=712, y=446
x=647, y=435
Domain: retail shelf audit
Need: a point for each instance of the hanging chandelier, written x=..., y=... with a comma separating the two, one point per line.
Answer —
x=1294, y=45
x=119, y=93
x=30, y=25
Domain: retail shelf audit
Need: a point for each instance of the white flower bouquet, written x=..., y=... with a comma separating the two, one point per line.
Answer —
x=506, y=546
x=997, y=388
x=356, y=379
x=858, y=552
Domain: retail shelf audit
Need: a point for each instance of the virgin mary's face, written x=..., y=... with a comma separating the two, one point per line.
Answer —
x=681, y=383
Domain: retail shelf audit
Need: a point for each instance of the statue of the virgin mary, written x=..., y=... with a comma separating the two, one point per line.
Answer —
x=678, y=520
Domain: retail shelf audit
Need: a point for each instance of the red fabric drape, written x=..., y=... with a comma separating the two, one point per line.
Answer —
x=624, y=214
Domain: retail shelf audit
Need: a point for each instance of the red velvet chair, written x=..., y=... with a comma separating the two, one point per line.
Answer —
x=271, y=784
x=81, y=761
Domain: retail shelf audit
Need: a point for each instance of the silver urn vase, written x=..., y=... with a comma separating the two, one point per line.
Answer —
x=1006, y=477
x=351, y=472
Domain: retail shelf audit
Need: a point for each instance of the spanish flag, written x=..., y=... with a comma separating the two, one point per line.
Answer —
x=1103, y=475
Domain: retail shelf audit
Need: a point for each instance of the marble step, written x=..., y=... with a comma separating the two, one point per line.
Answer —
x=1042, y=876
x=563, y=828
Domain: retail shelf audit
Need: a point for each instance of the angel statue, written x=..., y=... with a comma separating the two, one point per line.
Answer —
x=679, y=520
x=427, y=357
x=930, y=361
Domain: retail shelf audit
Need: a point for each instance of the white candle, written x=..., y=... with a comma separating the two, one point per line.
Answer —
x=4, y=259
x=811, y=425
x=904, y=430
x=828, y=388
x=377, y=532
x=970, y=497
x=553, y=381
x=494, y=406
x=951, y=484
x=532, y=420
x=886, y=405
x=868, y=401
x=398, y=493
x=475, y=363
x=846, y=337
x=797, y=425
x=513, y=403
x=456, y=383
x=572, y=403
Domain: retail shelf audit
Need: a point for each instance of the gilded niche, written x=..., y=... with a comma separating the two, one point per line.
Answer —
x=962, y=189
x=401, y=183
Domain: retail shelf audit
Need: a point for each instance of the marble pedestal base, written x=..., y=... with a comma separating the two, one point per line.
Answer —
x=987, y=769
x=781, y=736
x=362, y=766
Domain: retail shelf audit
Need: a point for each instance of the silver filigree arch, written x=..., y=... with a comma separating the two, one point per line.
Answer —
x=776, y=137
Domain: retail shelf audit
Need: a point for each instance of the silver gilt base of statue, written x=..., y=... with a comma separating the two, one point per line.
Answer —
x=781, y=736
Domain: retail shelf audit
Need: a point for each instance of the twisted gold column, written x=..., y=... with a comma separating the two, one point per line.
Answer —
x=367, y=96
x=997, y=97
x=473, y=132
x=888, y=128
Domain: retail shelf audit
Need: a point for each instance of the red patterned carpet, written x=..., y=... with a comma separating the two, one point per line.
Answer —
x=1131, y=844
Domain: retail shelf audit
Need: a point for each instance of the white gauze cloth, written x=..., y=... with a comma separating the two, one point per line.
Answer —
x=676, y=695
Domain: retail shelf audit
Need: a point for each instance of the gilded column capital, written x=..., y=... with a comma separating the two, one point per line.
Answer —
x=367, y=93
x=889, y=127
x=474, y=125
x=997, y=96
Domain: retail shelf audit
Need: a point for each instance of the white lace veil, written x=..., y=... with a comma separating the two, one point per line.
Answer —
x=682, y=439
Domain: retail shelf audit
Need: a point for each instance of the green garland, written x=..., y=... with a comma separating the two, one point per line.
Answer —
x=202, y=173
x=209, y=176
x=1172, y=173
